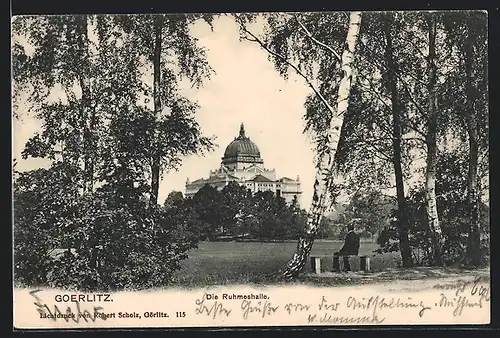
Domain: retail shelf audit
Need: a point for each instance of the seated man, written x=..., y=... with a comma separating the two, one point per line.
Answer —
x=350, y=248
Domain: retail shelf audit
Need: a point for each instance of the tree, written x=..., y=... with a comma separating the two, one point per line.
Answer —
x=370, y=209
x=64, y=60
x=422, y=81
x=235, y=205
x=431, y=142
x=295, y=220
x=467, y=35
x=61, y=60
x=99, y=140
x=407, y=66
x=42, y=203
x=171, y=131
x=329, y=228
x=271, y=218
x=178, y=224
x=174, y=198
x=377, y=129
x=392, y=83
x=206, y=204
x=324, y=175
x=452, y=199
x=264, y=221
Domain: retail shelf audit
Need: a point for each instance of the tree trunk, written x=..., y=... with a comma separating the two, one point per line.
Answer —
x=155, y=167
x=88, y=116
x=431, y=142
x=474, y=238
x=323, y=178
x=392, y=81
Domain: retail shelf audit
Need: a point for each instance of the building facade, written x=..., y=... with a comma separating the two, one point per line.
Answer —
x=243, y=164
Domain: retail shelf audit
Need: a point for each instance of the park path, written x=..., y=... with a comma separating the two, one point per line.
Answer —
x=398, y=279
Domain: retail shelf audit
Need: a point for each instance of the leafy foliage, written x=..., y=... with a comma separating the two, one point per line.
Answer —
x=234, y=211
x=111, y=240
x=387, y=127
x=84, y=80
x=452, y=204
x=172, y=133
x=369, y=209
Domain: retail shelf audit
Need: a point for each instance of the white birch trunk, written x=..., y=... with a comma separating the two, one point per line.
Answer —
x=324, y=176
x=431, y=161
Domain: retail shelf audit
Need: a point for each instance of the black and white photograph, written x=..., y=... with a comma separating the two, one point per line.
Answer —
x=250, y=169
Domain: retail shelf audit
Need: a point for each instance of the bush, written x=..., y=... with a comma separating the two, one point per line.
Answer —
x=110, y=239
x=485, y=250
x=454, y=224
x=43, y=199
x=388, y=240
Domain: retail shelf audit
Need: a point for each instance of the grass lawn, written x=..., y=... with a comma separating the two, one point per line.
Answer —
x=225, y=263
x=220, y=263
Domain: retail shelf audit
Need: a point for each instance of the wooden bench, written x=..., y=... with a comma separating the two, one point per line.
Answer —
x=316, y=263
x=338, y=264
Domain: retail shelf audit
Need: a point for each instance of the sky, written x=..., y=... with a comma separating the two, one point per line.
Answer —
x=245, y=89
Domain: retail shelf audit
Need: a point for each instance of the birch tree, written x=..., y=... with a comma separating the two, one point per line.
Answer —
x=466, y=34
x=164, y=46
x=475, y=114
x=431, y=141
x=324, y=174
x=380, y=134
x=415, y=90
x=84, y=82
x=61, y=60
x=328, y=140
x=393, y=75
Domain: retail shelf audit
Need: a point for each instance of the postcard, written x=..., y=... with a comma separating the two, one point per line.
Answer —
x=225, y=170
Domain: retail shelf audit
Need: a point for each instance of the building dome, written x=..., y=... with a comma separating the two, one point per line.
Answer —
x=242, y=146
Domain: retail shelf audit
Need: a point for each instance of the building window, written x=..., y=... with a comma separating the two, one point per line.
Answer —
x=278, y=192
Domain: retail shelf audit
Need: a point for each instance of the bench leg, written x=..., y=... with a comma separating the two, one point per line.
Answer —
x=316, y=264
x=336, y=263
x=341, y=264
x=347, y=264
x=365, y=263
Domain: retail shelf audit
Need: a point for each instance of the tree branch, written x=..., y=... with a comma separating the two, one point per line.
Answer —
x=284, y=59
x=308, y=33
x=379, y=96
x=407, y=88
x=397, y=74
x=381, y=154
x=412, y=42
x=408, y=123
x=370, y=143
x=419, y=139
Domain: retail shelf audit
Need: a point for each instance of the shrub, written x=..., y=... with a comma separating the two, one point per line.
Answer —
x=454, y=224
x=110, y=239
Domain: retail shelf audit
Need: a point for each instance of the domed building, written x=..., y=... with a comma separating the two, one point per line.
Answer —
x=243, y=164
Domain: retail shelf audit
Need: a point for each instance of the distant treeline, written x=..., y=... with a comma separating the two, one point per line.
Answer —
x=235, y=213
